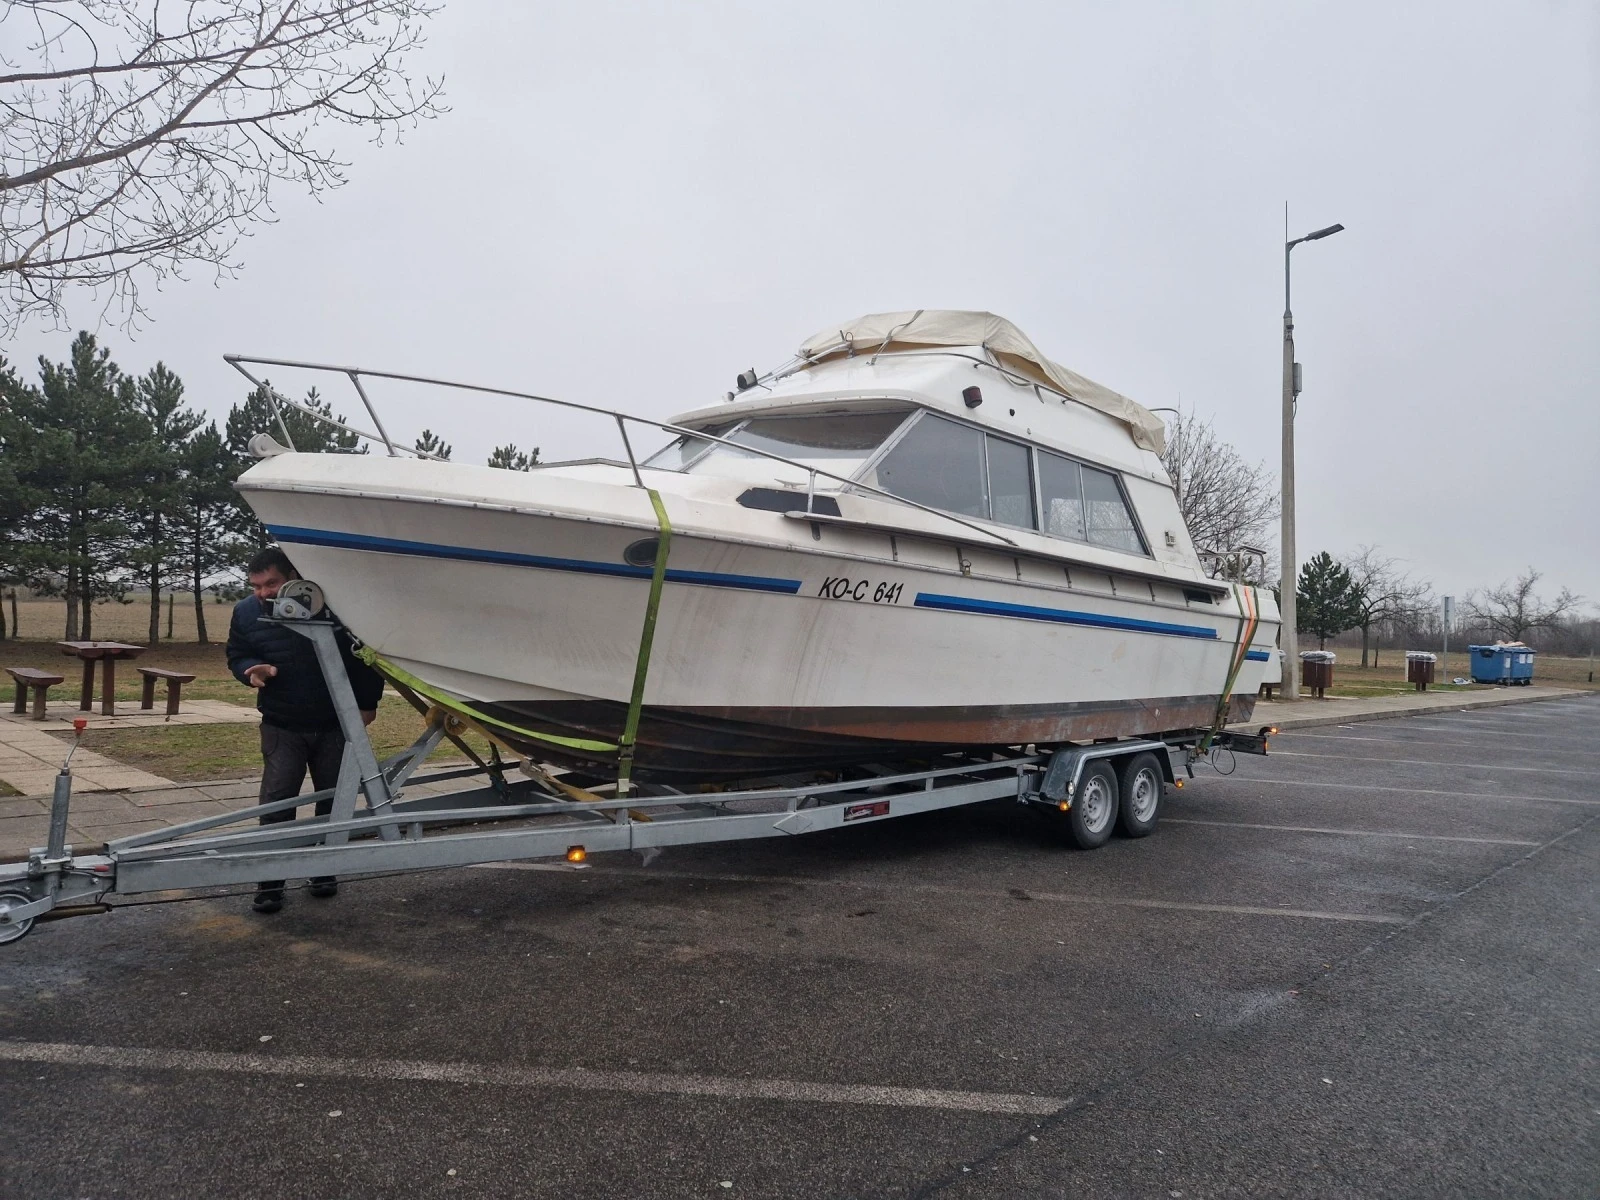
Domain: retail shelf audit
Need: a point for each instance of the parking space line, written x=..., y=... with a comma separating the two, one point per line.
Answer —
x=1427, y=742
x=1370, y=833
x=1428, y=762
x=137, y=1058
x=1407, y=791
x=1249, y=910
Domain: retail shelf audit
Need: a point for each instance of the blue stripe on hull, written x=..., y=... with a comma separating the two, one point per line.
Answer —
x=1062, y=616
x=382, y=545
x=1258, y=655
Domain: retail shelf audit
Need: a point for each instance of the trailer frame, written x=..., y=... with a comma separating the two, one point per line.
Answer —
x=537, y=816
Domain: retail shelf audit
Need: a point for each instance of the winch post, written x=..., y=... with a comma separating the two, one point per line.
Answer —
x=367, y=778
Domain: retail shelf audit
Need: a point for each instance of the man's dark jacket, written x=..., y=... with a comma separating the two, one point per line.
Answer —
x=296, y=697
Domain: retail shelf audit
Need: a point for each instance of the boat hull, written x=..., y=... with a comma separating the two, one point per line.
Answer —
x=779, y=646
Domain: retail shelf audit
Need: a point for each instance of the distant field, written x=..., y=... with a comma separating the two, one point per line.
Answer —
x=113, y=622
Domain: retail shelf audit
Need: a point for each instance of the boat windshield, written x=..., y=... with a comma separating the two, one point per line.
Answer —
x=838, y=443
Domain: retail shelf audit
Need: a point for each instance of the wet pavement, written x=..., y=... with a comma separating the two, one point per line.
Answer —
x=1367, y=965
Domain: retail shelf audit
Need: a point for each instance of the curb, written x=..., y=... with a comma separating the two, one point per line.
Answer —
x=1290, y=724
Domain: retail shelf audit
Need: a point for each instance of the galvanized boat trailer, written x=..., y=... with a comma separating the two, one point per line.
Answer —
x=372, y=828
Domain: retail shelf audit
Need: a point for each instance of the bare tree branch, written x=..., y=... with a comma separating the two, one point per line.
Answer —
x=1513, y=610
x=138, y=140
x=1226, y=502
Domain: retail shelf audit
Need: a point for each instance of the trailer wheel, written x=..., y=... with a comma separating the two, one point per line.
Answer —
x=1094, y=810
x=10, y=931
x=1142, y=785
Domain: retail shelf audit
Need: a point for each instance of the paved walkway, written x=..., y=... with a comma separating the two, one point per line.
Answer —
x=1343, y=710
x=30, y=756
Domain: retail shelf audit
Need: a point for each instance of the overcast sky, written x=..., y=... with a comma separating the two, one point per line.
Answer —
x=628, y=204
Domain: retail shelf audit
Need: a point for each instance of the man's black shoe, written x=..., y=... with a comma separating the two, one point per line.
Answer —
x=324, y=886
x=268, y=900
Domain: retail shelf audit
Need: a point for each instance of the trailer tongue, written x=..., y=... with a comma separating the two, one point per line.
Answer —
x=372, y=828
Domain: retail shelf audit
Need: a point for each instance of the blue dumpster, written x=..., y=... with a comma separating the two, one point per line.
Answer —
x=1503, y=662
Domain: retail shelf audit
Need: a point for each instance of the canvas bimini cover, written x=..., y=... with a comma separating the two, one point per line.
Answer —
x=927, y=328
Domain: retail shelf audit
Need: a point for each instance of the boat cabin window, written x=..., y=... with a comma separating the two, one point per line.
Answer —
x=959, y=469
x=1106, y=513
x=1086, y=505
x=838, y=443
x=681, y=451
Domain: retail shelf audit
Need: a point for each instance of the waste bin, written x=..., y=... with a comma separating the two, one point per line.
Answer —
x=1419, y=668
x=1503, y=662
x=1316, y=671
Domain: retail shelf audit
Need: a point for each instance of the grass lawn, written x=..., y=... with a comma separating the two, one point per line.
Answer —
x=198, y=752
x=1353, y=680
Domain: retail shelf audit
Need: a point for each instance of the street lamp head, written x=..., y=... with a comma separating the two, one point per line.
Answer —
x=1322, y=233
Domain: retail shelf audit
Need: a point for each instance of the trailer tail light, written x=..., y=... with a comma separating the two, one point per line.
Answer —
x=577, y=854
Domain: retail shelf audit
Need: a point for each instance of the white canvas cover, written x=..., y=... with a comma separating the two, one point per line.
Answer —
x=931, y=327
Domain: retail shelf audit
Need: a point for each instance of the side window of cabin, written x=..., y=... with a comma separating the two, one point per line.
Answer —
x=1106, y=513
x=1086, y=505
x=1010, y=483
x=1061, y=489
x=938, y=463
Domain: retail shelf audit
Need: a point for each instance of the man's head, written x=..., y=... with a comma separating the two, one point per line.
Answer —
x=268, y=571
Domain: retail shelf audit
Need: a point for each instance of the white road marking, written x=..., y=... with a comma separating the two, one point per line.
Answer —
x=1250, y=910
x=1429, y=762
x=138, y=1058
x=1378, y=787
x=1372, y=833
x=1426, y=742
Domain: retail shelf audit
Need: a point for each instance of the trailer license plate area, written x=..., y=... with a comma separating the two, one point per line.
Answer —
x=873, y=808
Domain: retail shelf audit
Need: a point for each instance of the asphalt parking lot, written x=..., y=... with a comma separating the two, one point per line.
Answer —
x=1366, y=966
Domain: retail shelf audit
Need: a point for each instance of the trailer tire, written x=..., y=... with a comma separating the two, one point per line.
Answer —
x=1141, y=785
x=13, y=930
x=1093, y=814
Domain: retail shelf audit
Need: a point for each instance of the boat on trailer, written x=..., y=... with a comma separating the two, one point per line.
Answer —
x=918, y=536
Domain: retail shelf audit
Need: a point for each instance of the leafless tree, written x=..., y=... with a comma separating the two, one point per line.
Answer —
x=138, y=139
x=1226, y=502
x=1388, y=594
x=1513, y=610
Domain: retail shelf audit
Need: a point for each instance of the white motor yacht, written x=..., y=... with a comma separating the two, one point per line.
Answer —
x=919, y=535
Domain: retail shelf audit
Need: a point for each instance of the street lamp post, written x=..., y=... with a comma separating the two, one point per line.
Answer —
x=1291, y=567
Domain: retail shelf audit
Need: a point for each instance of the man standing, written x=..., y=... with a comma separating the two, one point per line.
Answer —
x=299, y=727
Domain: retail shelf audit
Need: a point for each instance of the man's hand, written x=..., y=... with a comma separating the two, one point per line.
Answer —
x=258, y=675
x=367, y=715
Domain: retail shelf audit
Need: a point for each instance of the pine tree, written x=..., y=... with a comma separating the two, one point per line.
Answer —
x=18, y=499
x=1327, y=600
x=432, y=443
x=204, y=518
x=160, y=395
x=89, y=452
x=510, y=458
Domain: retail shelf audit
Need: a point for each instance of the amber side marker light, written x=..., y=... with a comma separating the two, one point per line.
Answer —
x=577, y=854
x=1177, y=783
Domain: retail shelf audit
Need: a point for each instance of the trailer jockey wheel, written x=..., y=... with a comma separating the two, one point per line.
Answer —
x=10, y=931
x=1094, y=810
x=1142, y=786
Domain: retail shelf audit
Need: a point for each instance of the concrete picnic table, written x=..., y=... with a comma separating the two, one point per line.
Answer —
x=107, y=653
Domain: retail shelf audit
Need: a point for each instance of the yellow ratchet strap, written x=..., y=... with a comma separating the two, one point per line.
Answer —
x=1249, y=620
x=482, y=720
x=647, y=637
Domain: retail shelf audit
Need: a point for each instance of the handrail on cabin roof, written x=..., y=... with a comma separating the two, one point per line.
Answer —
x=354, y=374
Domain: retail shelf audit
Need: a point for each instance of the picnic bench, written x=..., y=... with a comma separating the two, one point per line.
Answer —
x=38, y=682
x=106, y=653
x=175, y=681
